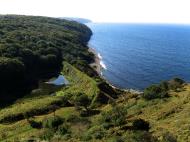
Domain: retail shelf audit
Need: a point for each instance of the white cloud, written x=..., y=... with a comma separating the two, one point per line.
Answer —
x=167, y=11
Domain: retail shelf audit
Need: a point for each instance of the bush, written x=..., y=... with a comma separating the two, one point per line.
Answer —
x=154, y=91
x=96, y=132
x=63, y=129
x=117, y=139
x=164, y=86
x=178, y=80
x=175, y=83
x=82, y=100
x=141, y=124
x=47, y=134
x=139, y=136
x=35, y=124
x=160, y=91
x=168, y=137
x=52, y=122
x=73, y=118
x=107, y=125
x=116, y=116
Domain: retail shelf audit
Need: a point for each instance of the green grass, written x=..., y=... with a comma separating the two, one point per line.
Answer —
x=165, y=115
x=22, y=129
x=35, y=105
x=79, y=82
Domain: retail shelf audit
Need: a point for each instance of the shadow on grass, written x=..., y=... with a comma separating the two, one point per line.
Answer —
x=89, y=113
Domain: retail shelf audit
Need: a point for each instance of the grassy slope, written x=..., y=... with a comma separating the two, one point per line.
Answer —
x=79, y=82
x=167, y=115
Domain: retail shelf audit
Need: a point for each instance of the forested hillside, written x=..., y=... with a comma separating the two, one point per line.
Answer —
x=88, y=108
x=33, y=48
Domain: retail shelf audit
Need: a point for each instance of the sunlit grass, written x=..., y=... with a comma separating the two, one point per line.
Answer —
x=79, y=82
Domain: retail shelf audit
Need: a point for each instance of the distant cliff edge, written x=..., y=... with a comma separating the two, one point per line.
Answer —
x=80, y=20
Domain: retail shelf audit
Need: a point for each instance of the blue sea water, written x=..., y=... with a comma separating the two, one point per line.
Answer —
x=138, y=55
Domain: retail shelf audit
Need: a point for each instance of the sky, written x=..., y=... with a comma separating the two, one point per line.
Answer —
x=135, y=11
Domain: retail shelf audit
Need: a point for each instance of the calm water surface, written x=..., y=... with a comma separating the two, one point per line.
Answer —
x=137, y=55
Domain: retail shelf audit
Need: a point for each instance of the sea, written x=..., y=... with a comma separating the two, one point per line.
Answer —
x=134, y=56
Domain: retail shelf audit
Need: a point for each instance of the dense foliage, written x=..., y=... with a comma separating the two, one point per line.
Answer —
x=140, y=124
x=82, y=100
x=11, y=72
x=114, y=117
x=52, y=122
x=33, y=48
x=161, y=90
x=153, y=92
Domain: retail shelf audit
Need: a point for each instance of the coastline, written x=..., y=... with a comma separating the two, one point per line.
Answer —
x=96, y=65
x=98, y=68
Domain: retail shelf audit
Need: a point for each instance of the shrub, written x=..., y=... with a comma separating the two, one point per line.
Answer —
x=47, y=134
x=77, y=119
x=154, y=91
x=96, y=132
x=140, y=124
x=168, y=137
x=116, y=116
x=164, y=86
x=52, y=122
x=35, y=124
x=160, y=91
x=82, y=100
x=107, y=125
x=139, y=136
x=73, y=118
x=63, y=129
x=178, y=80
x=117, y=139
x=175, y=83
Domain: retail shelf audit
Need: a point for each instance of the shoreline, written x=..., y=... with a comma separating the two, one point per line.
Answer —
x=96, y=65
x=98, y=68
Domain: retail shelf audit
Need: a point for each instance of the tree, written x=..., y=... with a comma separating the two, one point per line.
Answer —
x=82, y=100
x=12, y=73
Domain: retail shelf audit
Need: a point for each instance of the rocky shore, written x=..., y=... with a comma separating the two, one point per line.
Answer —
x=96, y=65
